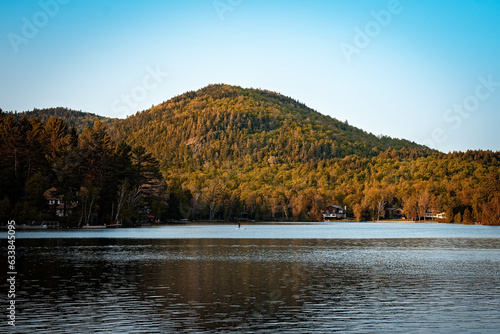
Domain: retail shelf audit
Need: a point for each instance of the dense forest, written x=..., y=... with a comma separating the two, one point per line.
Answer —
x=78, y=119
x=110, y=181
x=225, y=152
x=221, y=123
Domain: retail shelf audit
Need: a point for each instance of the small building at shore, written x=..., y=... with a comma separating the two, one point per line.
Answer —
x=334, y=212
x=435, y=214
x=58, y=204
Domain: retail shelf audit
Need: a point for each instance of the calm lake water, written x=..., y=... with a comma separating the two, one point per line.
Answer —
x=265, y=278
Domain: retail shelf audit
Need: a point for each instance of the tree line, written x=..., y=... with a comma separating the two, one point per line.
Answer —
x=466, y=186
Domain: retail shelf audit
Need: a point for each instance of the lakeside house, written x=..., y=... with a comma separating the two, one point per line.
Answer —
x=57, y=203
x=434, y=214
x=334, y=212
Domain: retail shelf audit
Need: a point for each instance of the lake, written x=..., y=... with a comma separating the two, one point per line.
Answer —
x=262, y=278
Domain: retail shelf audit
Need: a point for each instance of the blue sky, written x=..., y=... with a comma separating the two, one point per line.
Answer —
x=422, y=70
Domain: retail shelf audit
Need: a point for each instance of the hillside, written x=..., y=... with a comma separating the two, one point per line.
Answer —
x=226, y=152
x=79, y=119
x=222, y=123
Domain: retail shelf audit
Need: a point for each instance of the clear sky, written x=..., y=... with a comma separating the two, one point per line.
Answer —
x=428, y=71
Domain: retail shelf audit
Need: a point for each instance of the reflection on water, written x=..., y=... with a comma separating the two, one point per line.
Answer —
x=258, y=285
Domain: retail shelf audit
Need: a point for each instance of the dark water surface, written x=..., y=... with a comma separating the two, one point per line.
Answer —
x=262, y=279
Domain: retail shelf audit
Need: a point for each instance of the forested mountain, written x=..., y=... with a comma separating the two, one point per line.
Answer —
x=222, y=123
x=224, y=152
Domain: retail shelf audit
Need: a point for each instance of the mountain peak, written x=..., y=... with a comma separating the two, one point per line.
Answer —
x=221, y=123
